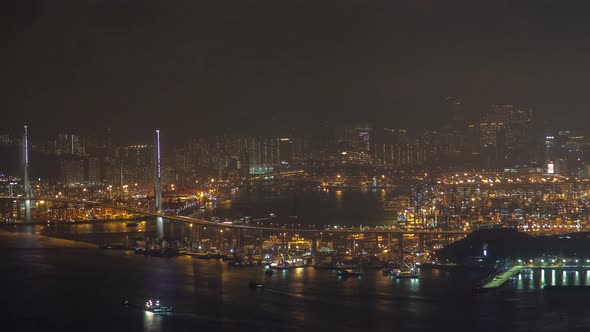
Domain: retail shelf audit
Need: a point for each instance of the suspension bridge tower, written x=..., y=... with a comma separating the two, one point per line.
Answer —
x=158, y=181
x=26, y=182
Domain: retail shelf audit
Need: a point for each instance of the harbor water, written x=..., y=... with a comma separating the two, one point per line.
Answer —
x=60, y=285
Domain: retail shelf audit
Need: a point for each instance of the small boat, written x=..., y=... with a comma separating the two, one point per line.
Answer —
x=131, y=224
x=346, y=266
x=407, y=274
x=284, y=265
x=238, y=263
x=255, y=284
x=410, y=272
x=268, y=272
x=349, y=273
x=155, y=307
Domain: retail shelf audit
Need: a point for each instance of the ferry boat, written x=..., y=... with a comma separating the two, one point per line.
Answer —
x=407, y=274
x=155, y=307
x=150, y=306
x=282, y=266
x=347, y=264
x=286, y=264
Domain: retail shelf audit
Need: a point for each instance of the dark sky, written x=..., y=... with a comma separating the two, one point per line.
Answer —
x=201, y=66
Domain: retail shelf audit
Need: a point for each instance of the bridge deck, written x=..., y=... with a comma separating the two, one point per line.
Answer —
x=234, y=226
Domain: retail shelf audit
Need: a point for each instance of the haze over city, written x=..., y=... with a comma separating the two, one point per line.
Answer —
x=248, y=66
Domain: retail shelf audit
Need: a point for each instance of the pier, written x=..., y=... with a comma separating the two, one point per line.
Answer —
x=499, y=278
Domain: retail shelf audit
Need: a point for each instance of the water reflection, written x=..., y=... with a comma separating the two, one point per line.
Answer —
x=152, y=322
x=552, y=277
x=339, y=199
x=160, y=227
x=345, y=207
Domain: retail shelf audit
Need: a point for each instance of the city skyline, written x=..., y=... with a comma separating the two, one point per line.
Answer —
x=504, y=137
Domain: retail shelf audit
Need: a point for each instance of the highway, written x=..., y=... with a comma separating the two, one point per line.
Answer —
x=245, y=227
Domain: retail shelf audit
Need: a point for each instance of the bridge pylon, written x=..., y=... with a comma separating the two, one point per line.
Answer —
x=158, y=171
x=26, y=184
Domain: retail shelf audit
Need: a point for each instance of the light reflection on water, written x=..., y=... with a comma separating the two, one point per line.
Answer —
x=152, y=322
x=344, y=207
x=552, y=277
x=160, y=227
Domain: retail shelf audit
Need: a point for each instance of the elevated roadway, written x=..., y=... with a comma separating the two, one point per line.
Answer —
x=203, y=222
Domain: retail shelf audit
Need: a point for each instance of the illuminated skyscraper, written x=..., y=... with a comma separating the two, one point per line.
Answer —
x=285, y=151
x=94, y=170
x=458, y=118
x=506, y=135
x=72, y=170
x=68, y=144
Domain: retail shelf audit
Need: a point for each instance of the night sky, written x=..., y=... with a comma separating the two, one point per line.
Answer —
x=196, y=67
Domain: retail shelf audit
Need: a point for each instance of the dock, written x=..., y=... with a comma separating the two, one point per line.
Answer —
x=499, y=278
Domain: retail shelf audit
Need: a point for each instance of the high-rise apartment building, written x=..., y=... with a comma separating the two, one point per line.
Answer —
x=72, y=170
x=506, y=135
x=94, y=170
